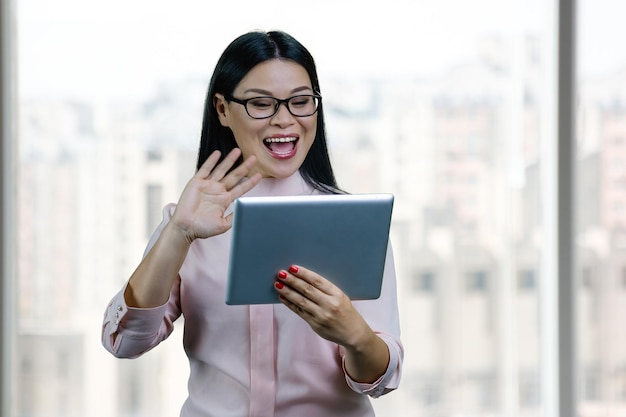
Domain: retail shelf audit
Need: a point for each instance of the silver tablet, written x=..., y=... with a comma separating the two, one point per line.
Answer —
x=342, y=237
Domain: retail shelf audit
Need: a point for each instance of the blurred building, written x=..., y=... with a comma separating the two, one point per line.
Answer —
x=461, y=154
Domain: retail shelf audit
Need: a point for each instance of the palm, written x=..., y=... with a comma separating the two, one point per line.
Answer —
x=201, y=207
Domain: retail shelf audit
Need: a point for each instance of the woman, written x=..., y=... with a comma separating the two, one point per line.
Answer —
x=314, y=353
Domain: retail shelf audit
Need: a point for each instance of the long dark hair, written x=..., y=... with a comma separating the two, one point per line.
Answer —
x=243, y=54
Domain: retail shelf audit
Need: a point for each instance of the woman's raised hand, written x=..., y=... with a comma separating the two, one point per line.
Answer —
x=200, y=210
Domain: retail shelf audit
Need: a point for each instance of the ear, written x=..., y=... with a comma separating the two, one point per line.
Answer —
x=221, y=106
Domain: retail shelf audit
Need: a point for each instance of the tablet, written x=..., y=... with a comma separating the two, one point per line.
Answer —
x=342, y=237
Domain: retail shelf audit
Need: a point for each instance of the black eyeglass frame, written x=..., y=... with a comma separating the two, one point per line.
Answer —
x=279, y=101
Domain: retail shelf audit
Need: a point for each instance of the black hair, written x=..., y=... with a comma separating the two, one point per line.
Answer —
x=243, y=54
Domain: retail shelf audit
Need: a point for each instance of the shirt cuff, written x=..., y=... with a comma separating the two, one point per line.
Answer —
x=382, y=385
x=124, y=322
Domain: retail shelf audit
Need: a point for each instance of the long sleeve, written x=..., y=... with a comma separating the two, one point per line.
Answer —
x=129, y=332
x=383, y=317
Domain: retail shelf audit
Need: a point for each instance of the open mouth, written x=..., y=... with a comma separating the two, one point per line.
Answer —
x=281, y=147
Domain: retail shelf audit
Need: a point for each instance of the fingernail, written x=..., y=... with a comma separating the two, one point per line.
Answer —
x=279, y=285
x=293, y=269
x=282, y=274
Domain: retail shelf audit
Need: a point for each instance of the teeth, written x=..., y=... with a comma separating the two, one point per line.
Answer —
x=275, y=140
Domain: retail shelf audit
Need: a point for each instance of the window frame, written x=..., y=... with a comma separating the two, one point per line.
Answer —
x=563, y=213
x=7, y=203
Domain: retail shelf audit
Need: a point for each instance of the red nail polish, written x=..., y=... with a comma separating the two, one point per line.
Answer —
x=279, y=285
x=293, y=269
x=282, y=274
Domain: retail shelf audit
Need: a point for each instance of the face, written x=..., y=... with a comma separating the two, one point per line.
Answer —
x=281, y=142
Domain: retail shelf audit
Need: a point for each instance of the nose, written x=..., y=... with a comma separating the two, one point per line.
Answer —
x=282, y=116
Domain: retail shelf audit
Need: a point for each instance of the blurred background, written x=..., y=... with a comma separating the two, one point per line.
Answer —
x=450, y=105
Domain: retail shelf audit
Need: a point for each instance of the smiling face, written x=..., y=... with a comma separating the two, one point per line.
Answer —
x=280, y=142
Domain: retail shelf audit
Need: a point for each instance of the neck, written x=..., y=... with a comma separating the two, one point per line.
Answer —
x=292, y=185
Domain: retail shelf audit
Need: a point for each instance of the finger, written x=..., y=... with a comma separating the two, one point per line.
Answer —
x=237, y=174
x=245, y=186
x=310, y=281
x=208, y=165
x=223, y=167
x=293, y=300
x=300, y=296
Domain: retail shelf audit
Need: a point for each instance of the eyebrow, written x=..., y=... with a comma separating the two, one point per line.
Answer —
x=265, y=92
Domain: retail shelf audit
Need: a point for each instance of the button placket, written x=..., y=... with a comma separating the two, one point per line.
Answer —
x=117, y=315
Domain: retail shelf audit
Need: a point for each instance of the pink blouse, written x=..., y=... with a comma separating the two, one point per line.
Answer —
x=258, y=360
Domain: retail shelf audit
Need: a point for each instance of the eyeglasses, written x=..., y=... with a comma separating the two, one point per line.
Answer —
x=264, y=107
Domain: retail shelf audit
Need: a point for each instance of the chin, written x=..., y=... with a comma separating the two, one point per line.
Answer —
x=280, y=173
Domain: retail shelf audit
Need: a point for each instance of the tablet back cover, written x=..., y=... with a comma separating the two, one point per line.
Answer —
x=342, y=237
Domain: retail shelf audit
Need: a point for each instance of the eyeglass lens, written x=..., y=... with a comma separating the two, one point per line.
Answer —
x=262, y=107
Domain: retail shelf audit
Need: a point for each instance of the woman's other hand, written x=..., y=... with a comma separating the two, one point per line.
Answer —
x=330, y=313
x=201, y=207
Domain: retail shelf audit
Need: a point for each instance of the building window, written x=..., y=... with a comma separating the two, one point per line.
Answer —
x=620, y=377
x=424, y=282
x=477, y=280
x=587, y=278
x=429, y=392
x=154, y=202
x=154, y=155
x=527, y=279
x=529, y=391
x=591, y=385
x=485, y=390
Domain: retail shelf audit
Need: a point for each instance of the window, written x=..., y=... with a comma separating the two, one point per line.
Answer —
x=527, y=279
x=591, y=385
x=620, y=383
x=587, y=278
x=108, y=123
x=477, y=281
x=430, y=392
x=154, y=155
x=425, y=282
x=154, y=201
x=529, y=390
